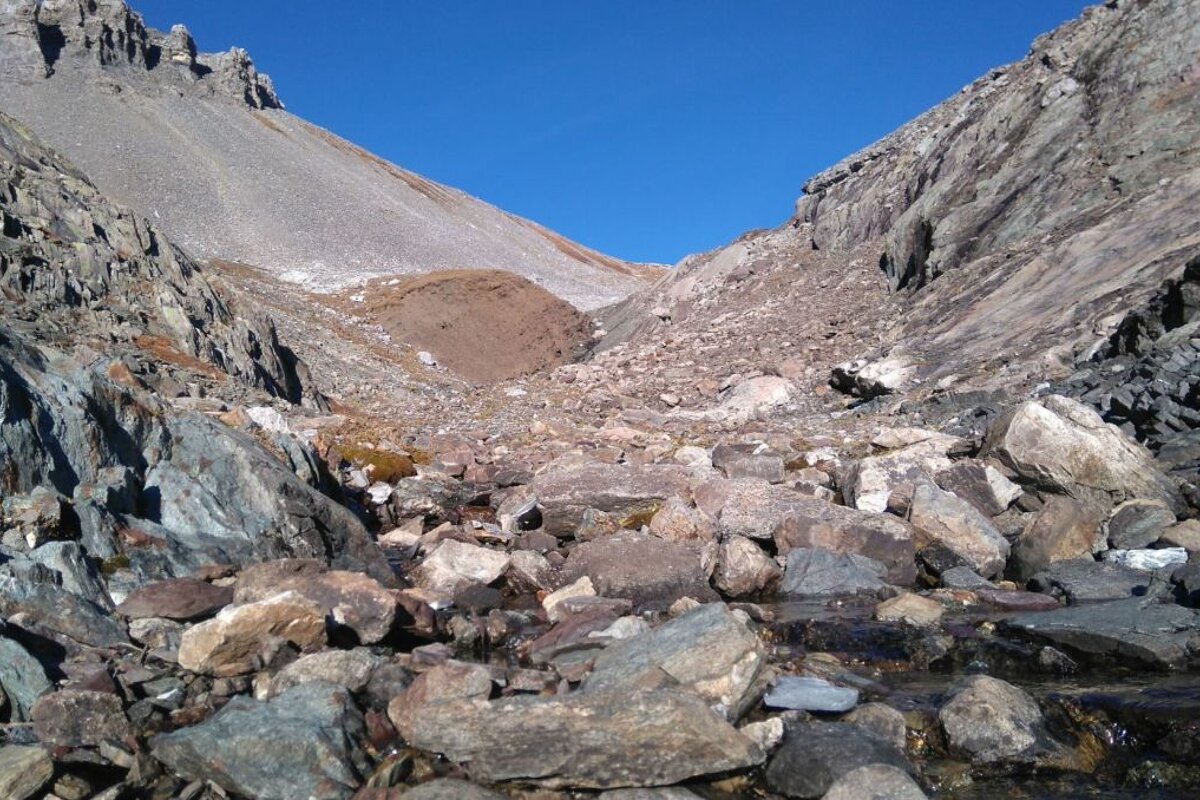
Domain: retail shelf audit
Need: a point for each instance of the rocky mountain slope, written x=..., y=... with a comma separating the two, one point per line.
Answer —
x=898, y=500
x=201, y=144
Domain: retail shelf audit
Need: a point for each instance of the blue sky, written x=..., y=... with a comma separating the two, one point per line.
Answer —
x=648, y=129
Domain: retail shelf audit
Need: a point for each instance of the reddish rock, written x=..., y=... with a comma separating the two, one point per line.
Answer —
x=179, y=599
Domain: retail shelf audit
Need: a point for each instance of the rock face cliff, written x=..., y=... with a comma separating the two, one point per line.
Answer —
x=200, y=143
x=997, y=241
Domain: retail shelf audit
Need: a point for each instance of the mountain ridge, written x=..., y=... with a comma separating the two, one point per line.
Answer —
x=202, y=144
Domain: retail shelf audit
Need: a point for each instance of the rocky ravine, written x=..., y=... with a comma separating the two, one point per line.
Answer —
x=685, y=567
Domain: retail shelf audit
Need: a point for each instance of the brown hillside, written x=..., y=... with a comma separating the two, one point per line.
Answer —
x=485, y=325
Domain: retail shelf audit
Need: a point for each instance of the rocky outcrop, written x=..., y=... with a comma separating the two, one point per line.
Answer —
x=109, y=34
x=77, y=271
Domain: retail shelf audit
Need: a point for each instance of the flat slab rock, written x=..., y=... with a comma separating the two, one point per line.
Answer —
x=648, y=571
x=305, y=743
x=1137, y=631
x=808, y=693
x=179, y=599
x=587, y=740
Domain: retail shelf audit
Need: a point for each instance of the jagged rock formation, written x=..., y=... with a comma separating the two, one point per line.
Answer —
x=104, y=321
x=77, y=271
x=200, y=143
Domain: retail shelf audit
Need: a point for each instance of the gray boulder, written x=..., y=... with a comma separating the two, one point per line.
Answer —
x=875, y=782
x=821, y=573
x=709, y=651
x=304, y=743
x=991, y=721
x=950, y=532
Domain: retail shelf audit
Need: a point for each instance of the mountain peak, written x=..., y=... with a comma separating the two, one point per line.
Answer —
x=107, y=36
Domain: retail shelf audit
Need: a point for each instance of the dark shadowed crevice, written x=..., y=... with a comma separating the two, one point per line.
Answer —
x=51, y=42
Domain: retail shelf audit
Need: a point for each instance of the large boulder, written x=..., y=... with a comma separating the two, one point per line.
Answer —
x=455, y=564
x=756, y=509
x=709, y=651
x=1064, y=446
x=950, y=532
x=592, y=740
x=572, y=484
x=79, y=718
x=647, y=571
x=1064, y=529
x=307, y=742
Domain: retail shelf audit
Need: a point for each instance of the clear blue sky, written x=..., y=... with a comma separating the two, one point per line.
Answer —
x=648, y=129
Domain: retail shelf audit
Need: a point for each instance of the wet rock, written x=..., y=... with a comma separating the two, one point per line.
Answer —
x=181, y=599
x=710, y=651
x=570, y=485
x=647, y=571
x=22, y=679
x=1137, y=631
x=950, y=532
x=883, y=721
x=910, y=608
x=586, y=739
x=680, y=522
x=815, y=755
x=820, y=573
x=241, y=639
x=1064, y=446
x=456, y=563
x=807, y=693
x=1082, y=580
x=1063, y=529
x=875, y=782
x=450, y=789
x=454, y=680
x=350, y=600
x=1147, y=560
x=980, y=484
x=304, y=743
x=743, y=569
x=23, y=771
x=351, y=669
x=990, y=721
x=1137, y=523
x=74, y=718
